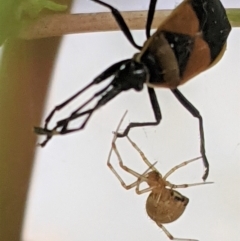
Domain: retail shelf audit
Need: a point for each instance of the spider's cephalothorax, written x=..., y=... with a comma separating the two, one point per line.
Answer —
x=191, y=40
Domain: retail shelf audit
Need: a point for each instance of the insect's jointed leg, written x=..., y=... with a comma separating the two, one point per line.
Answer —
x=156, y=111
x=64, y=122
x=196, y=114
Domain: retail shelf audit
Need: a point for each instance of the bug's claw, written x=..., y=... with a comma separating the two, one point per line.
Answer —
x=120, y=135
x=47, y=132
x=123, y=134
x=44, y=131
x=205, y=175
x=41, y=131
x=42, y=144
x=206, y=170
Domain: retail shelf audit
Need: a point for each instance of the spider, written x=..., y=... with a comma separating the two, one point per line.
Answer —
x=164, y=204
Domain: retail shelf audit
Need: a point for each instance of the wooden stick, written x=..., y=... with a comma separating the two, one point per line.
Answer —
x=61, y=24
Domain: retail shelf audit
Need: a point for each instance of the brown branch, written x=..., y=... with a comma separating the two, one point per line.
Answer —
x=61, y=24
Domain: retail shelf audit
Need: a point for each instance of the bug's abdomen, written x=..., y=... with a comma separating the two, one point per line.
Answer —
x=214, y=24
x=189, y=41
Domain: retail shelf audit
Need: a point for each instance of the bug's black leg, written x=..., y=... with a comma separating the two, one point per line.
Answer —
x=64, y=123
x=121, y=23
x=150, y=16
x=196, y=114
x=59, y=107
x=156, y=111
x=75, y=113
x=104, y=75
x=109, y=71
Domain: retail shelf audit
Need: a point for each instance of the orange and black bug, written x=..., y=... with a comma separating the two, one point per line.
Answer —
x=191, y=40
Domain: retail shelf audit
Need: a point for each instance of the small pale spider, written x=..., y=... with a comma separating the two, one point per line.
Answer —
x=164, y=204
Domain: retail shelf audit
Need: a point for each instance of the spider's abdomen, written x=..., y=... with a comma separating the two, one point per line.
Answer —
x=169, y=208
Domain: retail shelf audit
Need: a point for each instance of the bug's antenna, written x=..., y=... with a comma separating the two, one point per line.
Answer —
x=121, y=23
x=150, y=16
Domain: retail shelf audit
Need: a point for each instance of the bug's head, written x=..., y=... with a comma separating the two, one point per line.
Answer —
x=131, y=75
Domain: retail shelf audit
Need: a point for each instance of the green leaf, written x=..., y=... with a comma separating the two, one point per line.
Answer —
x=13, y=14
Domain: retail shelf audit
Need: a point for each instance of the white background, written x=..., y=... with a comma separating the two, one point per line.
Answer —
x=74, y=196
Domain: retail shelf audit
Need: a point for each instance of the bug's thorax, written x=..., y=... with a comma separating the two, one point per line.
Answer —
x=131, y=75
x=171, y=65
